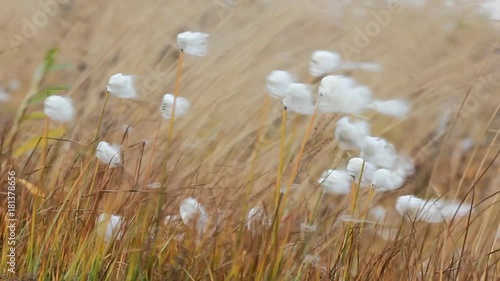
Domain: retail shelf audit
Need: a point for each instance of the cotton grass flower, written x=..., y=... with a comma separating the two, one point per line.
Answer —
x=193, y=43
x=378, y=151
x=386, y=180
x=182, y=106
x=277, y=83
x=354, y=168
x=109, y=227
x=191, y=210
x=298, y=99
x=122, y=86
x=59, y=108
x=256, y=217
x=432, y=210
x=109, y=154
x=395, y=108
x=350, y=134
x=4, y=96
x=323, y=62
x=342, y=94
x=336, y=181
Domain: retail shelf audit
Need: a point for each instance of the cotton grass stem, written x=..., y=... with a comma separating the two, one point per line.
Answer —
x=281, y=157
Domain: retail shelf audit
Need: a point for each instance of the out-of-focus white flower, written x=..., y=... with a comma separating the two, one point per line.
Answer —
x=4, y=96
x=299, y=99
x=450, y=210
x=59, y=108
x=109, y=154
x=122, y=86
x=323, y=62
x=109, y=227
x=343, y=95
x=379, y=213
x=354, y=168
x=182, y=106
x=304, y=227
x=256, y=216
x=378, y=151
x=433, y=210
x=396, y=108
x=193, y=43
x=385, y=180
x=192, y=210
x=351, y=134
x=277, y=83
x=336, y=181
x=403, y=166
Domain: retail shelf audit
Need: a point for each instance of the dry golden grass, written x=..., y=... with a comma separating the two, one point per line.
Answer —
x=437, y=60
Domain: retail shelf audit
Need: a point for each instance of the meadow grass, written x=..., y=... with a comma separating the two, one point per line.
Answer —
x=236, y=149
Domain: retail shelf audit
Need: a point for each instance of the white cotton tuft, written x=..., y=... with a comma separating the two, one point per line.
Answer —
x=109, y=227
x=59, y=108
x=277, y=83
x=342, y=94
x=192, y=210
x=379, y=213
x=109, y=154
x=122, y=86
x=354, y=168
x=193, y=43
x=351, y=134
x=378, y=151
x=323, y=62
x=395, y=108
x=385, y=180
x=336, y=181
x=299, y=99
x=433, y=210
x=256, y=216
x=182, y=106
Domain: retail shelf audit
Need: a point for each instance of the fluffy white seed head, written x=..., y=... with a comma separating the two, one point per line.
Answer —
x=350, y=134
x=323, y=62
x=418, y=209
x=109, y=154
x=109, y=227
x=298, y=99
x=59, y=108
x=378, y=213
x=256, y=217
x=336, y=181
x=122, y=86
x=396, y=108
x=354, y=168
x=193, y=43
x=378, y=151
x=386, y=180
x=277, y=83
x=4, y=95
x=343, y=95
x=182, y=106
x=190, y=210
